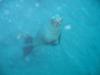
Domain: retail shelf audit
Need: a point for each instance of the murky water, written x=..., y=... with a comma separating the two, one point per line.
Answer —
x=78, y=52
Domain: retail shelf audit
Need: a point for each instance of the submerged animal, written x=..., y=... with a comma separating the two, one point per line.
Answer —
x=50, y=35
x=52, y=32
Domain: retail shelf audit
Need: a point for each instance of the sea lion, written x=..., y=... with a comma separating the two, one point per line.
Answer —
x=50, y=35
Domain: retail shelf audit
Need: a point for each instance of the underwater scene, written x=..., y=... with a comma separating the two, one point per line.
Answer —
x=49, y=37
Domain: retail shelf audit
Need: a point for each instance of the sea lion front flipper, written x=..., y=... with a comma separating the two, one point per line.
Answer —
x=59, y=38
x=56, y=42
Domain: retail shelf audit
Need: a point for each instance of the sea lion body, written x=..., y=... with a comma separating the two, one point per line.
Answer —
x=48, y=35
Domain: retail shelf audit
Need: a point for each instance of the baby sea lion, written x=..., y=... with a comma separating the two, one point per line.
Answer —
x=50, y=35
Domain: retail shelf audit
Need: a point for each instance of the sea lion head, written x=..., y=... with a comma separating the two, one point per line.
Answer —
x=56, y=20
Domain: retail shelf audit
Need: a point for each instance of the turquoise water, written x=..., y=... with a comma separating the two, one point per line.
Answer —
x=79, y=50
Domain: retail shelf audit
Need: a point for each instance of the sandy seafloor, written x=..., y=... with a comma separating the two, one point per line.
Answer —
x=79, y=50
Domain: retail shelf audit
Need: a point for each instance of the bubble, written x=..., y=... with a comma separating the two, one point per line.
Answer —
x=19, y=36
x=21, y=0
x=59, y=8
x=17, y=5
x=27, y=59
x=6, y=12
x=10, y=20
x=37, y=4
x=68, y=27
x=64, y=5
